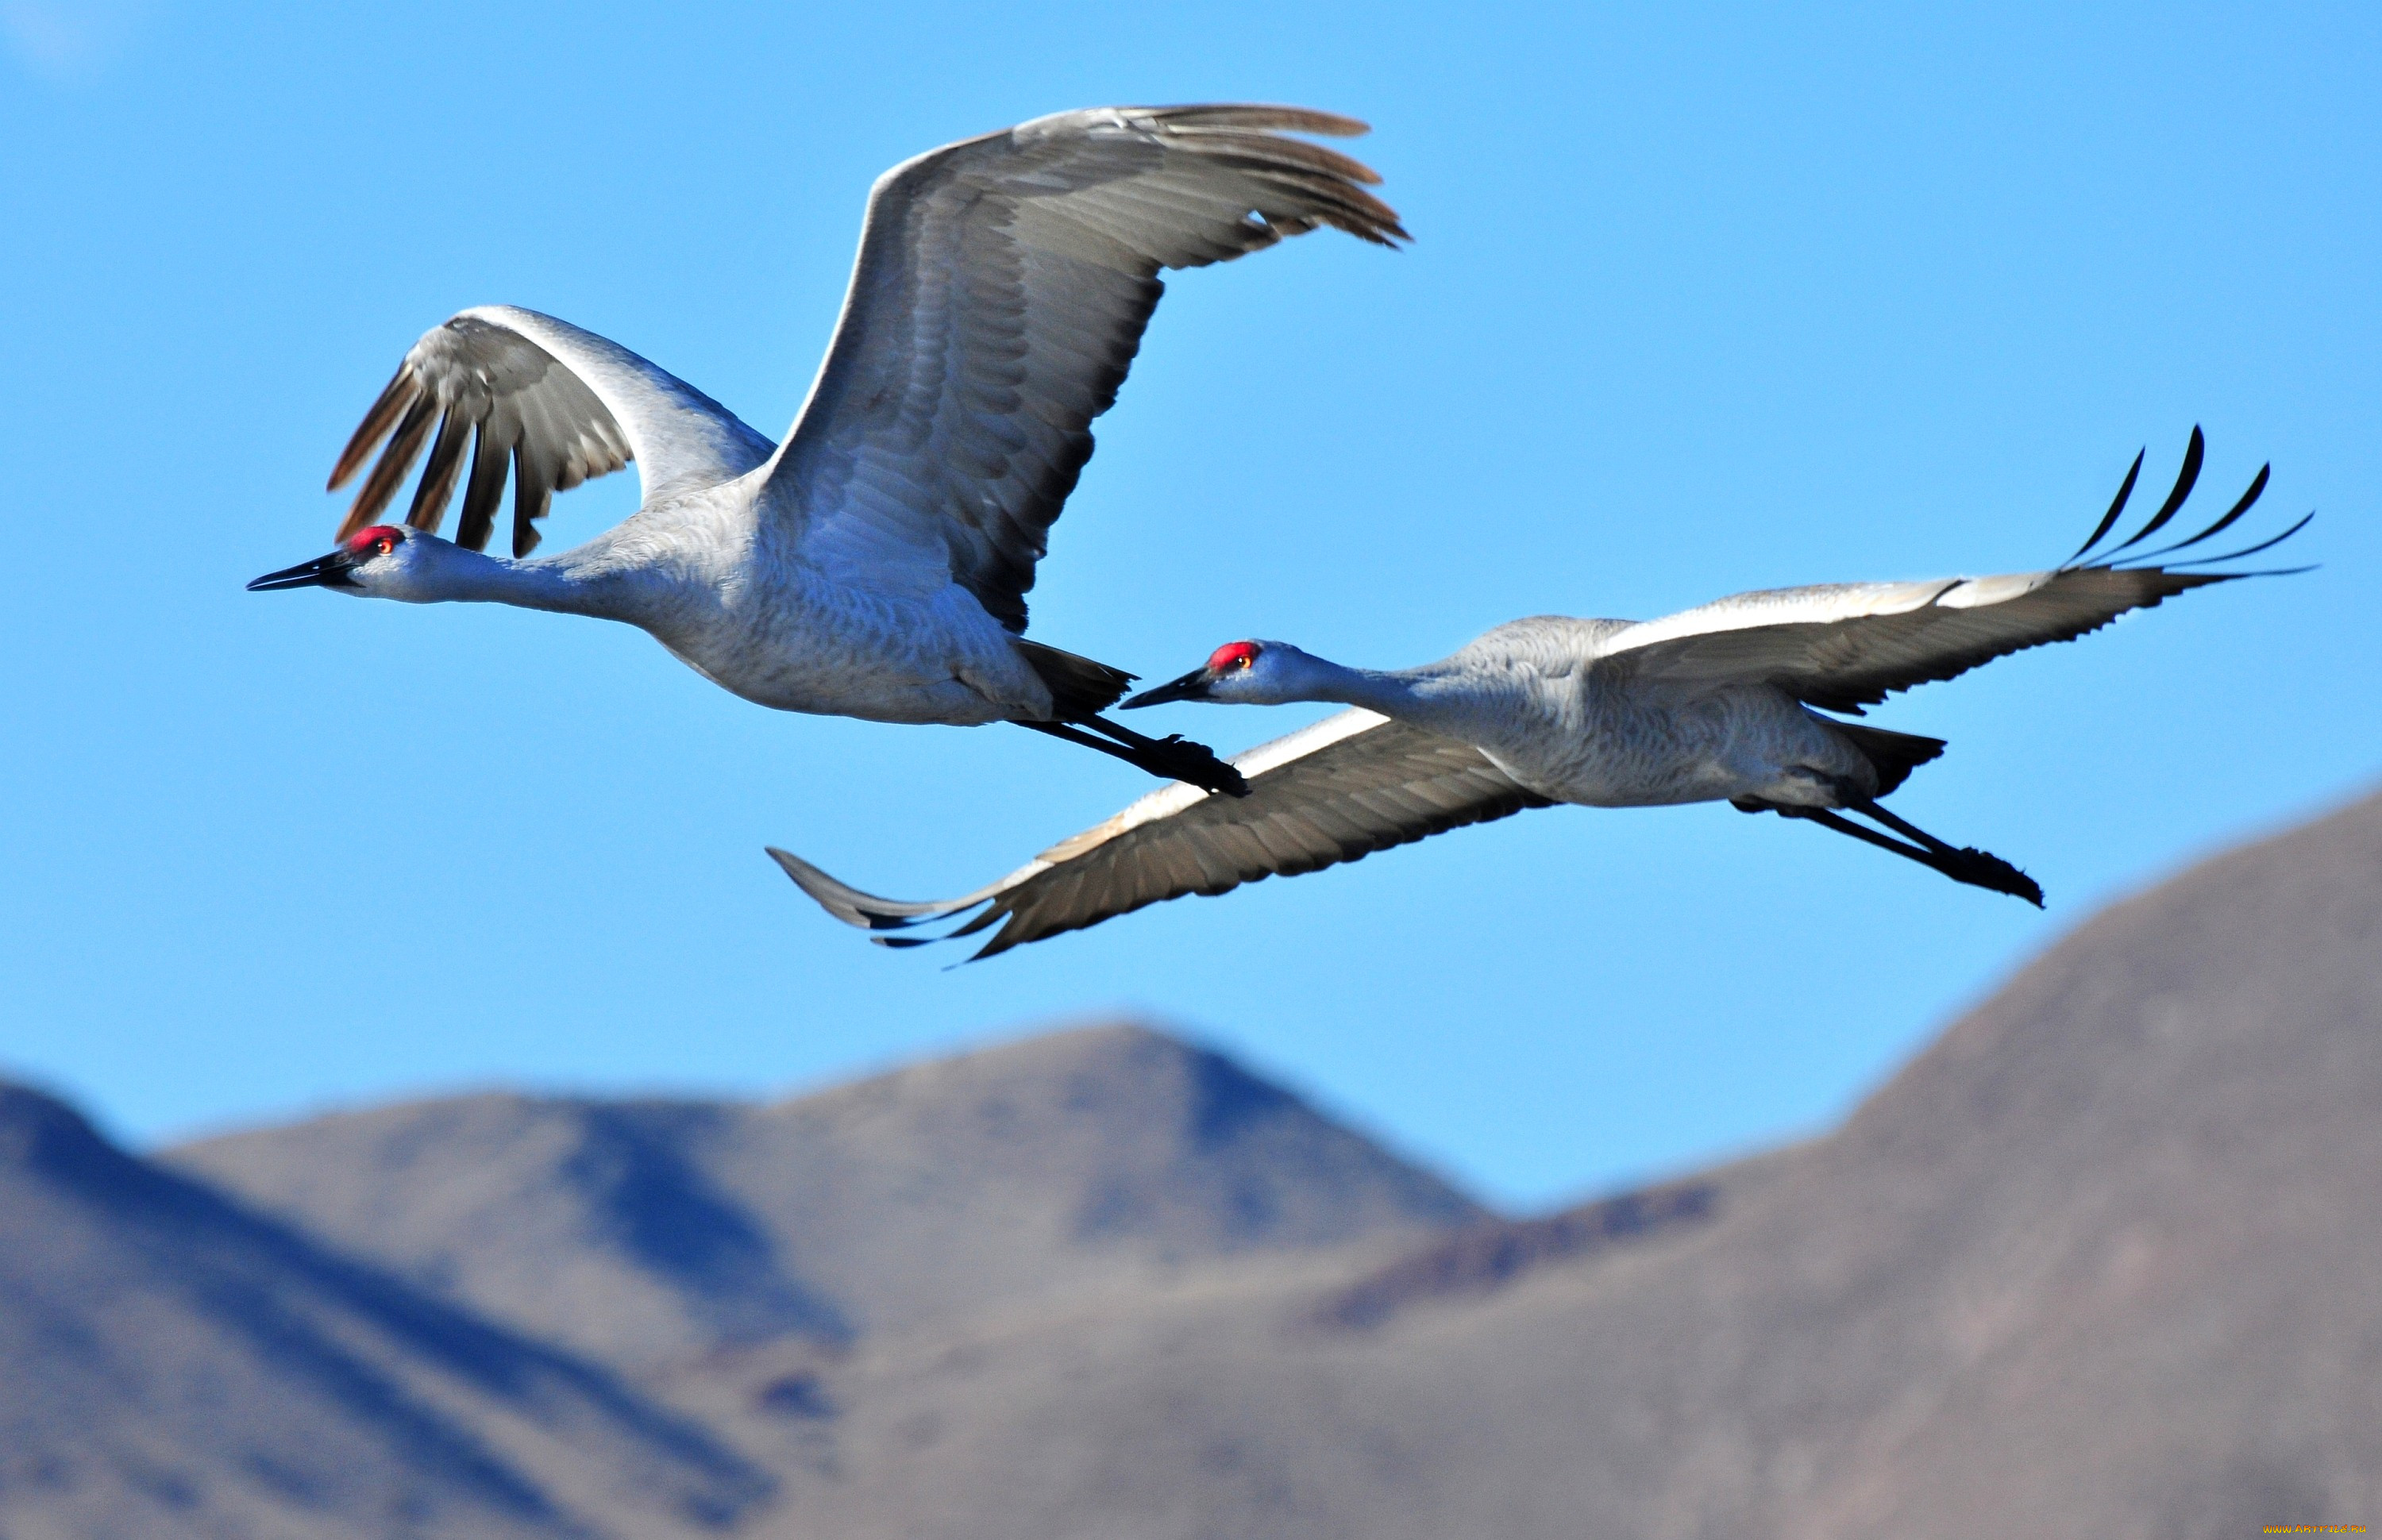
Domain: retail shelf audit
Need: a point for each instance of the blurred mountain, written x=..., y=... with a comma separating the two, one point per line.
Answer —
x=2101, y=1262
x=645, y=1231
x=2098, y=1262
x=172, y=1364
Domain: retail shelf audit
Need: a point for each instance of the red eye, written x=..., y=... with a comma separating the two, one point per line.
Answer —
x=1233, y=655
x=380, y=540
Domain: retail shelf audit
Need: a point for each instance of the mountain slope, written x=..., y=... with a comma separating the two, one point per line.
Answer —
x=2100, y=1263
x=171, y=1363
x=650, y=1231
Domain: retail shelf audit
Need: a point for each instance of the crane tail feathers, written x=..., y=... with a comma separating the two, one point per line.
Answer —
x=1079, y=687
x=1894, y=755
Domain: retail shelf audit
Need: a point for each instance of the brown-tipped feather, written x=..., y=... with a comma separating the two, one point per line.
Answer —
x=1256, y=114
x=1345, y=205
x=404, y=447
x=1257, y=150
x=393, y=399
x=1345, y=208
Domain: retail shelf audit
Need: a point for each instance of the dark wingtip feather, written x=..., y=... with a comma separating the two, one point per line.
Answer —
x=1003, y=940
x=436, y=487
x=485, y=492
x=2250, y=550
x=533, y=496
x=2117, y=507
x=2257, y=485
x=2185, y=479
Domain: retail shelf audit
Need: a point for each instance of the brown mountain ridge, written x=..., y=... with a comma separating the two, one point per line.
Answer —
x=2101, y=1262
x=648, y=1231
x=173, y=1363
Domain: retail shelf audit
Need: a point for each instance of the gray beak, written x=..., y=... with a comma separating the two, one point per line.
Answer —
x=329, y=571
x=1190, y=687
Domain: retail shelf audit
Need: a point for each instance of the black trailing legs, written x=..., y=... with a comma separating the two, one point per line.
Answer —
x=1961, y=863
x=1174, y=757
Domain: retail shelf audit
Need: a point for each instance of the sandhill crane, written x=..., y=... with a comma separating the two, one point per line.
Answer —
x=1713, y=703
x=876, y=563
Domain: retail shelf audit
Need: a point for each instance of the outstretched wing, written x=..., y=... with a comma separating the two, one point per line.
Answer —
x=1000, y=295
x=1844, y=646
x=1350, y=785
x=557, y=404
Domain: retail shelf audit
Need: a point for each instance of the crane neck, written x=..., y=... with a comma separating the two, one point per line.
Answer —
x=1432, y=697
x=1304, y=676
x=575, y=582
x=1389, y=691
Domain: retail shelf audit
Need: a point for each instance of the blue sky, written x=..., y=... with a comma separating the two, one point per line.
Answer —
x=1700, y=302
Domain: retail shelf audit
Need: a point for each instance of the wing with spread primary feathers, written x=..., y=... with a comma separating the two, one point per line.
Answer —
x=1844, y=646
x=1001, y=292
x=1350, y=785
x=554, y=404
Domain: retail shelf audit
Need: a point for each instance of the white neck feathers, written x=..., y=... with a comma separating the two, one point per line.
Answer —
x=569, y=583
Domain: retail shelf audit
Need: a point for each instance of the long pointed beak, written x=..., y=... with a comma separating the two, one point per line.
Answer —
x=1190, y=687
x=329, y=571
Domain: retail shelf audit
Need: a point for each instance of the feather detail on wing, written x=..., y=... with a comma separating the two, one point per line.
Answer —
x=999, y=298
x=1844, y=646
x=1352, y=784
x=558, y=405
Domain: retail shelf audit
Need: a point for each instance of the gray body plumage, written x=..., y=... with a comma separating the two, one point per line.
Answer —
x=1546, y=703
x=876, y=563
x=1721, y=703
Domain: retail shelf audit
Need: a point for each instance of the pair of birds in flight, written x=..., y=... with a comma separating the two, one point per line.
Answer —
x=876, y=563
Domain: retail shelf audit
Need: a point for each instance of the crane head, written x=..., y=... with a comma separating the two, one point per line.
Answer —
x=360, y=552
x=1242, y=673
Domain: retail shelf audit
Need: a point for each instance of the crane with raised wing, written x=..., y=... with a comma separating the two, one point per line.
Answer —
x=874, y=564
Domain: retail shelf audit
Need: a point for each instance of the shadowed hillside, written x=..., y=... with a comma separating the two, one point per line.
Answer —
x=171, y=1363
x=2100, y=1263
